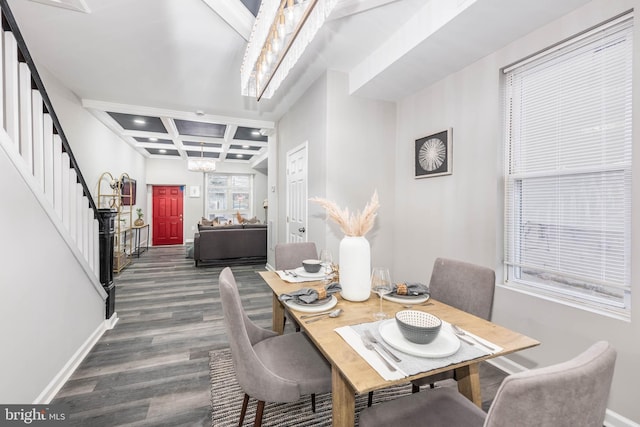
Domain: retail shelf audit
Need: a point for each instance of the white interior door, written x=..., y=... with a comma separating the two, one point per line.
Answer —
x=297, y=194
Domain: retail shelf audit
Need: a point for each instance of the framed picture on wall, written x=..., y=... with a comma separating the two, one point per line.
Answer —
x=128, y=191
x=433, y=155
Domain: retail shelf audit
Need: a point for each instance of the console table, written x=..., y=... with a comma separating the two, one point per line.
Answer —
x=137, y=231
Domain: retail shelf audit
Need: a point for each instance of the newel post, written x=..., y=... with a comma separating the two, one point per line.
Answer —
x=106, y=223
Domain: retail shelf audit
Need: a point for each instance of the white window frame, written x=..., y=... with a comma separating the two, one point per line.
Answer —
x=229, y=213
x=547, y=271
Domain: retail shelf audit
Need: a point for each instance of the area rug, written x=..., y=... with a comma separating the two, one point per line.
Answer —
x=226, y=400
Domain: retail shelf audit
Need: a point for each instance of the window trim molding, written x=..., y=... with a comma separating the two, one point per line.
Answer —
x=251, y=210
x=619, y=309
x=565, y=300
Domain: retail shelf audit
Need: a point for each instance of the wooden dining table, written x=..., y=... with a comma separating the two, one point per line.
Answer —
x=351, y=374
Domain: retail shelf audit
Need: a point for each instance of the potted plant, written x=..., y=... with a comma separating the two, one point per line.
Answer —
x=139, y=222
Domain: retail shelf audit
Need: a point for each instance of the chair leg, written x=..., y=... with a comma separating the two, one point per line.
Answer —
x=370, y=399
x=243, y=412
x=259, y=410
x=415, y=388
x=313, y=402
x=284, y=322
x=432, y=386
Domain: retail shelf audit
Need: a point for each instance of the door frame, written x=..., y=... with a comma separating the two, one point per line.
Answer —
x=150, y=210
x=289, y=153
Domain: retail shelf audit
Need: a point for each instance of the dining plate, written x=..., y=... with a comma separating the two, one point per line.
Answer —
x=445, y=344
x=300, y=271
x=407, y=299
x=314, y=307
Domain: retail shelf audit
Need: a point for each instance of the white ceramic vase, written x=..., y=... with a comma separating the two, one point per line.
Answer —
x=355, y=268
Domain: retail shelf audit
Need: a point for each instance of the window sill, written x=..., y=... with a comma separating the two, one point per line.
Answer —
x=618, y=314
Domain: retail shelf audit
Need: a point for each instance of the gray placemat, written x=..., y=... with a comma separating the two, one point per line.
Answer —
x=412, y=365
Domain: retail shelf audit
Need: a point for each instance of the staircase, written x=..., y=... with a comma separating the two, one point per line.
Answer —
x=33, y=140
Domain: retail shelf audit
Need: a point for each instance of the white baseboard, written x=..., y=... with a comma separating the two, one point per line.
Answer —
x=111, y=322
x=611, y=418
x=506, y=365
x=50, y=391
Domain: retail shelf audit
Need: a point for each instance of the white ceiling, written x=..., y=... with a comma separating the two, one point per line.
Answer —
x=171, y=58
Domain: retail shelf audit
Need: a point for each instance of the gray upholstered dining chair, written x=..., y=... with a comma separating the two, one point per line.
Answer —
x=268, y=366
x=289, y=256
x=465, y=286
x=572, y=393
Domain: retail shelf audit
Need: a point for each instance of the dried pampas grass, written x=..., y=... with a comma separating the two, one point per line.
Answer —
x=357, y=224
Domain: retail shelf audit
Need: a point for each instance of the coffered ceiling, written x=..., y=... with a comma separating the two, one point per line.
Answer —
x=167, y=134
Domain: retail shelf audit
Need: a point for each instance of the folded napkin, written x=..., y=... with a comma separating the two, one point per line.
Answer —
x=308, y=295
x=410, y=289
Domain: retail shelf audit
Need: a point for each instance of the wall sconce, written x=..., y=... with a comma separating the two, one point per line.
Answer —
x=281, y=33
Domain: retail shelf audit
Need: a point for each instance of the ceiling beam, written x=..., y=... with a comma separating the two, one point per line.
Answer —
x=430, y=18
x=235, y=14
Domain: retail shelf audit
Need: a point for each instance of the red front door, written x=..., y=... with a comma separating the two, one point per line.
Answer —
x=167, y=215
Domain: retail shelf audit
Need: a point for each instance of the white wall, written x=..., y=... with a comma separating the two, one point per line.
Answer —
x=175, y=172
x=306, y=122
x=360, y=160
x=351, y=154
x=94, y=146
x=49, y=307
x=460, y=216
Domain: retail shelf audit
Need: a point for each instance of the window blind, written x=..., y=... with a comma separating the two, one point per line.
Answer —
x=568, y=166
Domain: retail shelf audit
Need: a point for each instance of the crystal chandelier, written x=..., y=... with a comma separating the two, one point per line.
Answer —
x=202, y=163
x=282, y=31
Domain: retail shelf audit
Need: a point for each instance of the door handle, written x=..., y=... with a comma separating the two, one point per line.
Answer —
x=180, y=217
x=301, y=229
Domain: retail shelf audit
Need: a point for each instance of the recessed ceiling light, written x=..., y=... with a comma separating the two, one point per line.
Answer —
x=239, y=156
x=245, y=146
x=162, y=151
x=152, y=139
x=139, y=121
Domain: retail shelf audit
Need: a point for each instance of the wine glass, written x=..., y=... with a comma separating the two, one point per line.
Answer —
x=327, y=263
x=381, y=285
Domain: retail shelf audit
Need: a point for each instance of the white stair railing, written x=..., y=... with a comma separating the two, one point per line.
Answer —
x=31, y=141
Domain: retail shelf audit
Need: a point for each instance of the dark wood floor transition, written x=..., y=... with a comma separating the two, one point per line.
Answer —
x=152, y=369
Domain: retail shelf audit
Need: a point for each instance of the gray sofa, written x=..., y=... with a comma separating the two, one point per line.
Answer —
x=230, y=244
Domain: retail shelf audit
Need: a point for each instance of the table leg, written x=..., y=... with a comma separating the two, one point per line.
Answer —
x=278, y=316
x=469, y=383
x=343, y=400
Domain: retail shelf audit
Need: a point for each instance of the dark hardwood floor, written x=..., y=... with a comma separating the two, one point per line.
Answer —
x=152, y=369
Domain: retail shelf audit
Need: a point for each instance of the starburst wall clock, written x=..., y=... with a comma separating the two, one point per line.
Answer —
x=433, y=155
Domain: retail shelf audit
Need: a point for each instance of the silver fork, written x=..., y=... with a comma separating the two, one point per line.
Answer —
x=466, y=337
x=369, y=346
x=373, y=339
